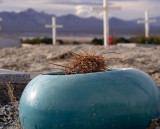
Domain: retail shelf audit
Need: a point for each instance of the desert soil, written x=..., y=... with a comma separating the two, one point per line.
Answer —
x=37, y=58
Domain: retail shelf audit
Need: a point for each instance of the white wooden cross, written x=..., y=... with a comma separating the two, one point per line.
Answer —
x=105, y=10
x=1, y=18
x=146, y=22
x=54, y=26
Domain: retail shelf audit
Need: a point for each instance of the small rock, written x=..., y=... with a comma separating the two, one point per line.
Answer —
x=10, y=110
x=6, y=106
x=14, y=103
x=1, y=112
x=1, y=120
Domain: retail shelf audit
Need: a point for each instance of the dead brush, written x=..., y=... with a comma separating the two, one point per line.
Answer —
x=12, y=98
x=85, y=62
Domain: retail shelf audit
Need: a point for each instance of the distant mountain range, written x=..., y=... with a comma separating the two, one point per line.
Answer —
x=33, y=22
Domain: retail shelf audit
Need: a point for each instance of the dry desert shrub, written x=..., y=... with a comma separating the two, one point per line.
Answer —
x=85, y=62
x=13, y=100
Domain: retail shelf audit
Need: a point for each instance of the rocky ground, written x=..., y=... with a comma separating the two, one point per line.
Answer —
x=36, y=59
x=9, y=118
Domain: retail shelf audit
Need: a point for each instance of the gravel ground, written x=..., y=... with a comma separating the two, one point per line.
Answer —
x=36, y=58
x=9, y=118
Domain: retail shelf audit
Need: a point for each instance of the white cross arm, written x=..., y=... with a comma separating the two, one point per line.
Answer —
x=48, y=26
x=102, y=8
x=97, y=8
x=150, y=21
x=59, y=26
x=1, y=19
x=140, y=21
x=51, y=26
x=114, y=8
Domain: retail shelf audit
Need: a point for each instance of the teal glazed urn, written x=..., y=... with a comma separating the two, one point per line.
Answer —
x=115, y=99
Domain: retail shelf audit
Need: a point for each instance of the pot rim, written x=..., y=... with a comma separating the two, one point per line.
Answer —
x=60, y=73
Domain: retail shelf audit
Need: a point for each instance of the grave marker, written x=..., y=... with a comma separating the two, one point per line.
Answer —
x=54, y=26
x=146, y=22
x=105, y=10
x=1, y=18
x=9, y=76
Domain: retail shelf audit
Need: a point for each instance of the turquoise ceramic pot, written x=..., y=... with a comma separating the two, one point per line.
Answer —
x=115, y=99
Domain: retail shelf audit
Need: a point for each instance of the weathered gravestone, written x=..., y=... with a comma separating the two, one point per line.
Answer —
x=18, y=80
x=9, y=42
x=146, y=22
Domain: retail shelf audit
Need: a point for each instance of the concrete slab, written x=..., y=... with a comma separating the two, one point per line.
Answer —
x=9, y=76
x=136, y=45
x=9, y=42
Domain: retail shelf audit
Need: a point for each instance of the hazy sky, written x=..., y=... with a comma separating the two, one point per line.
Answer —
x=131, y=9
